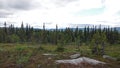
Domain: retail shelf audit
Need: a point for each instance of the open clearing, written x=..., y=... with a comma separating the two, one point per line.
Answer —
x=44, y=56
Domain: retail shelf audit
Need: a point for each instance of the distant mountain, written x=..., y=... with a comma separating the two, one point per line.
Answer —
x=82, y=26
x=118, y=28
x=86, y=25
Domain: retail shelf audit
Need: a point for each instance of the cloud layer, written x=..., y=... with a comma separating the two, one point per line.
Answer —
x=16, y=4
x=9, y=7
x=61, y=12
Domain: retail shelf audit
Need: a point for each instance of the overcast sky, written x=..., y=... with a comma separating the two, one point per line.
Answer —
x=65, y=13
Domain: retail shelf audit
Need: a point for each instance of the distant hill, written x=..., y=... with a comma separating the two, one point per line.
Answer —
x=82, y=26
x=118, y=28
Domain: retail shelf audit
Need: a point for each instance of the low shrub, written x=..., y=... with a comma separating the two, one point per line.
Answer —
x=60, y=49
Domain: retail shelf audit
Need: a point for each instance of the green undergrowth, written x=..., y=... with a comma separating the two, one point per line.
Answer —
x=31, y=55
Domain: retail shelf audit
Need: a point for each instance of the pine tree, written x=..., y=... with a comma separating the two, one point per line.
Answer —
x=5, y=36
x=22, y=33
x=98, y=43
x=56, y=38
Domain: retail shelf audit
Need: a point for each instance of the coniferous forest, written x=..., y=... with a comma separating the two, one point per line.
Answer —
x=27, y=34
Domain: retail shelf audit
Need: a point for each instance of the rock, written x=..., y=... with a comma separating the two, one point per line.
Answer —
x=109, y=57
x=80, y=60
x=39, y=66
x=49, y=58
x=75, y=56
x=48, y=54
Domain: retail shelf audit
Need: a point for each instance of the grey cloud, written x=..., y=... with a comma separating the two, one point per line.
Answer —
x=24, y=5
x=16, y=4
x=4, y=14
x=9, y=7
x=28, y=4
x=103, y=1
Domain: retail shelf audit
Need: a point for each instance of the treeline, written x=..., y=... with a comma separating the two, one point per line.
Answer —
x=27, y=34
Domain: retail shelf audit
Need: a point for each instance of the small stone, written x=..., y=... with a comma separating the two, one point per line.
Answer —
x=75, y=56
x=49, y=58
x=39, y=66
x=47, y=54
x=109, y=57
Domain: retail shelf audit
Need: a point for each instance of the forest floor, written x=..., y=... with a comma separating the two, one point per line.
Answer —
x=45, y=55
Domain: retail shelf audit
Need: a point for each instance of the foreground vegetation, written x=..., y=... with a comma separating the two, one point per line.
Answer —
x=31, y=55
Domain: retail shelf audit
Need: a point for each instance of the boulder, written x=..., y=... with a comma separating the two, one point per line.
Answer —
x=82, y=62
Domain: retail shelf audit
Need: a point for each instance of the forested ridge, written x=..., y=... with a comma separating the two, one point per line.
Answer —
x=27, y=34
